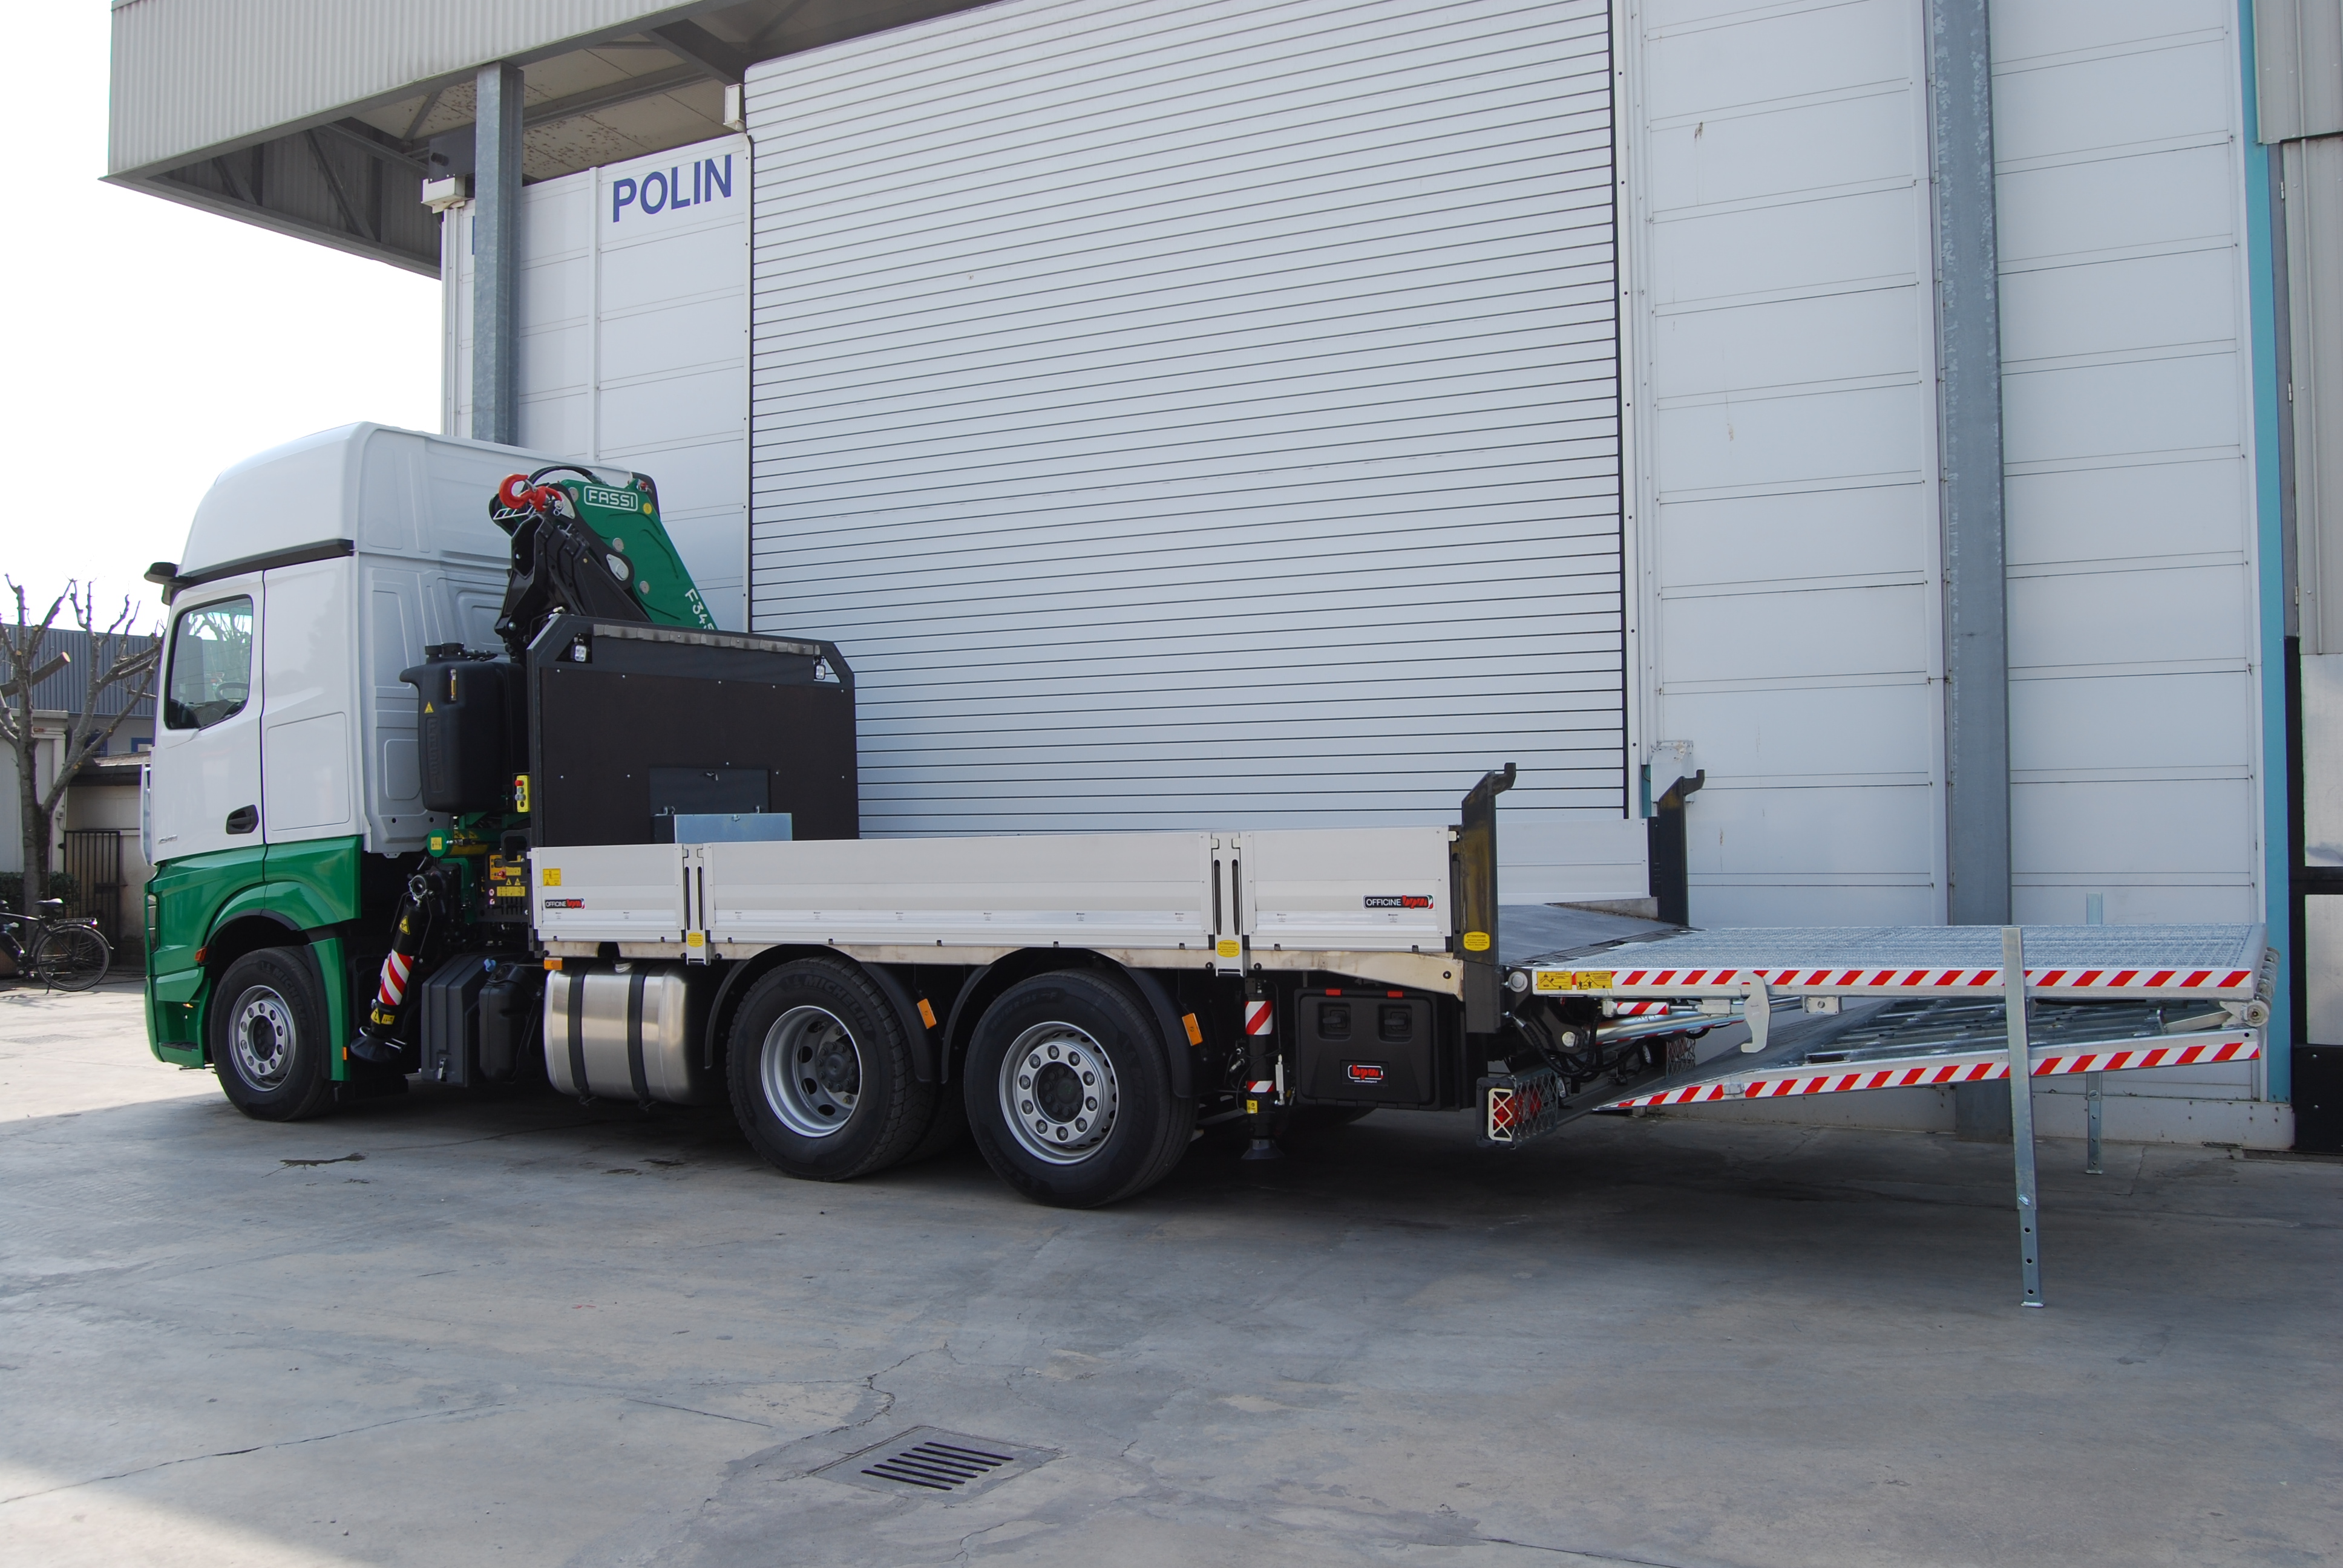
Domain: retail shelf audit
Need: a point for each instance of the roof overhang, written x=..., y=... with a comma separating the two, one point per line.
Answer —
x=322, y=121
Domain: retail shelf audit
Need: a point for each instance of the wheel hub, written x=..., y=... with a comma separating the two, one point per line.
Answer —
x=1059, y=1094
x=263, y=1037
x=811, y=1071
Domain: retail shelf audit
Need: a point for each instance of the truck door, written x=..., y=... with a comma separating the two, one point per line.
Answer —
x=207, y=766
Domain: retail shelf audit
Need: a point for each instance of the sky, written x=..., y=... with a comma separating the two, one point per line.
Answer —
x=145, y=345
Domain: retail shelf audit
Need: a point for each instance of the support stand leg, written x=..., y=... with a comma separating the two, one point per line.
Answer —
x=2021, y=1113
x=2091, y=1166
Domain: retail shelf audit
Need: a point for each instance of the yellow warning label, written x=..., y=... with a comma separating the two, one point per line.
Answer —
x=553, y=880
x=927, y=1013
x=1476, y=942
x=1574, y=979
x=695, y=938
x=1228, y=947
x=1195, y=1030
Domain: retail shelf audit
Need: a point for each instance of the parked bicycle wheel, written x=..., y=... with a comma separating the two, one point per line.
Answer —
x=71, y=957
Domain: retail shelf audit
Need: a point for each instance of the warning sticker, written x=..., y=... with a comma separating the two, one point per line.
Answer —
x=1574, y=979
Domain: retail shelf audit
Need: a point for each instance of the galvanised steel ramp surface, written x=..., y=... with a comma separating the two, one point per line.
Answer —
x=2077, y=962
x=1894, y=1007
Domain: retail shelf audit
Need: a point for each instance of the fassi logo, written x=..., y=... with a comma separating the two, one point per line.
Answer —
x=1399, y=900
x=665, y=190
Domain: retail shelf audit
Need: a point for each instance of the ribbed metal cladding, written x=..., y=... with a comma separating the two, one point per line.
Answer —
x=2298, y=68
x=192, y=75
x=1188, y=415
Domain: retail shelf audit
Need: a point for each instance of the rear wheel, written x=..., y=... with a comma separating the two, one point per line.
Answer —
x=71, y=957
x=1068, y=1087
x=267, y=1029
x=821, y=1074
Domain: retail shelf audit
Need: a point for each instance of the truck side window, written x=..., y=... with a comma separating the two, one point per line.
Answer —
x=211, y=665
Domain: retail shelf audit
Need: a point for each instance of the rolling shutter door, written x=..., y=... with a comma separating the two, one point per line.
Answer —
x=1192, y=416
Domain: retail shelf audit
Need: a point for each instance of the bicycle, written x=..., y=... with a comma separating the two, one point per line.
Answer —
x=66, y=955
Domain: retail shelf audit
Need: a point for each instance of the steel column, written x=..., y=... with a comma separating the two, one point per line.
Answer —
x=496, y=254
x=2021, y=1112
x=1968, y=422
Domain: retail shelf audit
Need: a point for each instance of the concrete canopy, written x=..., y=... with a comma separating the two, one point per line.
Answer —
x=322, y=121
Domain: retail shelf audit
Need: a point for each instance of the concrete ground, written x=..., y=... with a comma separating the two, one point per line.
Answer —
x=512, y=1330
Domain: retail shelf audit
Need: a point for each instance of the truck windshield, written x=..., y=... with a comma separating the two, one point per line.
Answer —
x=211, y=665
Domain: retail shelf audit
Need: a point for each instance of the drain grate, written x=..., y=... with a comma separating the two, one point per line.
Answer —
x=935, y=1462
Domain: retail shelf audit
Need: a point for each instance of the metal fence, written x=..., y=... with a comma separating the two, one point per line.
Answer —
x=94, y=861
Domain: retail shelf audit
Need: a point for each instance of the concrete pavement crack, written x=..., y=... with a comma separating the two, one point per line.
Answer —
x=1573, y=1552
x=236, y=1453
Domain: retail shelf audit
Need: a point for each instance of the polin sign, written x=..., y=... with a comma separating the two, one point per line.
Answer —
x=664, y=190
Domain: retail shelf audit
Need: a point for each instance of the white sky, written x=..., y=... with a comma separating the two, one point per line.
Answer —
x=148, y=345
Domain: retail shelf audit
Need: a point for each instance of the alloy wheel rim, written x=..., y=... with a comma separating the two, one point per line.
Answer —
x=812, y=1071
x=1059, y=1094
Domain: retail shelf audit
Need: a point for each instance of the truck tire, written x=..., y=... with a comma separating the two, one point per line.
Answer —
x=947, y=1126
x=267, y=1030
x=1068, y=1087
x=820, y=1074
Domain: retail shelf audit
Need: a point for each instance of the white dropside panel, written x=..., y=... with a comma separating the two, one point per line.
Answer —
x=1187, y=415
x=1363, y=890
x=1143, y=890
x=610, y=893
x=634, y=339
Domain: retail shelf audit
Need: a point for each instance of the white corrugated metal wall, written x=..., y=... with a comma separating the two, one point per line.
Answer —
x=1792, y=586
x=634, y=340
x=2127, y=404
x=1788, y=501
x=1189, y=414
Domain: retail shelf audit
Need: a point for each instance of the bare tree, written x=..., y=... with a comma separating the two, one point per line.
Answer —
x=116, y=659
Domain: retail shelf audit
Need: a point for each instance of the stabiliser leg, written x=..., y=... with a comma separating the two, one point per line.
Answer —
x=377, y=1039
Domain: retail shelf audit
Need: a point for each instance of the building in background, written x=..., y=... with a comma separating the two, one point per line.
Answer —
x=1866, y=414
x=94, y=832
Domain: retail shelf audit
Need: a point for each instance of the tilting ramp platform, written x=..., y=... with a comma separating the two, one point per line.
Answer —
x=1934, y=1043
x=1893, y=1007
x=2086, y=963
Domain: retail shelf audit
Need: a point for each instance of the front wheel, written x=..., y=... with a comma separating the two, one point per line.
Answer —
x=267, y=1029
x=71, y=957
x=1068, y=1091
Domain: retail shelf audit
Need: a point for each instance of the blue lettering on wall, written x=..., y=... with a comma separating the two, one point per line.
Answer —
x=666, y=191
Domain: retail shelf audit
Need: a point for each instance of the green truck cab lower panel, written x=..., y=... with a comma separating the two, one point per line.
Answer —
x=310, y=889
